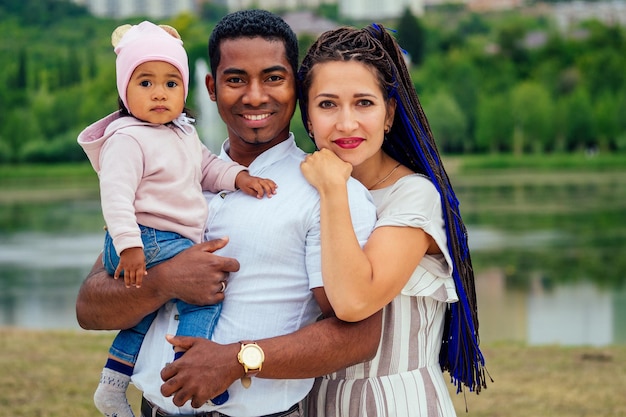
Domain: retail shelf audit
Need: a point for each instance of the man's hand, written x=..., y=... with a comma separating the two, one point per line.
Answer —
x=205, y=370
x=194, y=276
x=199, y=273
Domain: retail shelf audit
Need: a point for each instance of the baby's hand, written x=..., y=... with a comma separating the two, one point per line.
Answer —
x=255, y=186
x=133, y=263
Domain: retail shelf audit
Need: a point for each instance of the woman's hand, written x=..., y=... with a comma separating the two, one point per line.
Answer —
x=323, y=169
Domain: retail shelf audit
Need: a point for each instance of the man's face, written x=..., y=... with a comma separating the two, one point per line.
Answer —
x=255, y=92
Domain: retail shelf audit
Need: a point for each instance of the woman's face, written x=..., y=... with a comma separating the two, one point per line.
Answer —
x=347, y=111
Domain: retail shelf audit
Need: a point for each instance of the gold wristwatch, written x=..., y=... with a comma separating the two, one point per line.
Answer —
x=251, y=357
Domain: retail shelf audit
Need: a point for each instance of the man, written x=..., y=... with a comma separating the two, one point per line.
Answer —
x=274, y=289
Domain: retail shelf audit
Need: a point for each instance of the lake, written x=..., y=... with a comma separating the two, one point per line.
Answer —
x=549, y=253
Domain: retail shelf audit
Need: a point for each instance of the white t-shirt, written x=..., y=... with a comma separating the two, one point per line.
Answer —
x=277, y=243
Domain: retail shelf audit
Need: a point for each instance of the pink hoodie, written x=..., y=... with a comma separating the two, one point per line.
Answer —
x=153, y=175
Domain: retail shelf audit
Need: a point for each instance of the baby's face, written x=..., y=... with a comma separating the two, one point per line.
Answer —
x=155, y=92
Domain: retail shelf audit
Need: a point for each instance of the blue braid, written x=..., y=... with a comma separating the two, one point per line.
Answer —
x=460, y=354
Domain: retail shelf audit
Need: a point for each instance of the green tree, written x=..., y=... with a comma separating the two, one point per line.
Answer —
x=463, y=81
x=532, y=115
x=19, y=129
x=578, y=116
x=509, y=40
x=98, y=97
x=603, y=70
x=494, y=123
x=495, y=74
x=606, y=121
x=620, y=110
x=605, y=36
x=411, y=36
x=73, y=68
x=305, y=40
x=447, y=123
x=42, y=12
x=473, y=24
x=92, y=66
x=329, y=11
x=41, y=109
x=21, y=81
x=212, y=12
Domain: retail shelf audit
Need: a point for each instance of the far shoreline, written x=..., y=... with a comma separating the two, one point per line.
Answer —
x=50, y=182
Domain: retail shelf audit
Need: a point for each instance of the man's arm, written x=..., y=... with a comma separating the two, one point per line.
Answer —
x=208, y=369
x=193, y=276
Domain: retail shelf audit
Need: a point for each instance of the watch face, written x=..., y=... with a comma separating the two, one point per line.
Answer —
x=252, y=356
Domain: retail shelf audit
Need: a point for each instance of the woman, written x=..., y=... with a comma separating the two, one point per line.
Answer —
x=360, y=107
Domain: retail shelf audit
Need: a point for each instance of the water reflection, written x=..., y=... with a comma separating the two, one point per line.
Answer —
x=37, y=251
x=573, y=315
x=39, y=278
x=549, y=261
x=564, y=314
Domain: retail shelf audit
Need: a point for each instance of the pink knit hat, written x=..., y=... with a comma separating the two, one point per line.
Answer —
x=145, y=42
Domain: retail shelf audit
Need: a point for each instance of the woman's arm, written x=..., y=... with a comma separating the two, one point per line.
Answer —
x=359, y=281
x=193, y=276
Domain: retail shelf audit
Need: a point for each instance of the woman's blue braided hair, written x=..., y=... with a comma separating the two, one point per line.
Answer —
x=410, y=141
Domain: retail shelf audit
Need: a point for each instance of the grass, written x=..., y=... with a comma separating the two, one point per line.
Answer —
x=10, y=172
x=54, y=374
x=52, y=182
x=542, y=162
x=550, y=381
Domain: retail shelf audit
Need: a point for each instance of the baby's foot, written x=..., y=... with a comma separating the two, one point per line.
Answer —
x=110, y=396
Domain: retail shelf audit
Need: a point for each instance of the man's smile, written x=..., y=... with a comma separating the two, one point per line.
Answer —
x=256, y=117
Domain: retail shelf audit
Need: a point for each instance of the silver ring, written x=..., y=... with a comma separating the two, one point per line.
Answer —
x=223, y=286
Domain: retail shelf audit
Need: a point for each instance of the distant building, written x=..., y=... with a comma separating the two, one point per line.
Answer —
x=155, y=9
x=308, y=23
x=493, y=5
x=368, y=10
x=609, y=12
x=233, y=5
x=377, y=9
x=351, y=9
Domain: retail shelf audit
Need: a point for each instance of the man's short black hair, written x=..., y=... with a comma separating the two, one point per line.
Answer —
x=251, y=24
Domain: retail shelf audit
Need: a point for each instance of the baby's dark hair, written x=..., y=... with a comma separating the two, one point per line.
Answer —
x=251, y=24
x=410, y=141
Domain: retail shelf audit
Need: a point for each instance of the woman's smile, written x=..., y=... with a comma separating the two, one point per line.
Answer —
x=348, y=143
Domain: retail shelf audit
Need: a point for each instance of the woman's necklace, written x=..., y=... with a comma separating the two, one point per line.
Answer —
x=386, y=177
